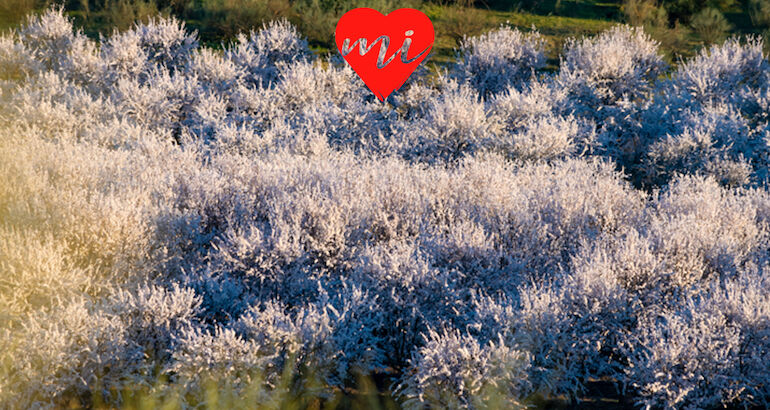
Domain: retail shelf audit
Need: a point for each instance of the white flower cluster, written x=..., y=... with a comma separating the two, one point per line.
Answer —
x=172, y=211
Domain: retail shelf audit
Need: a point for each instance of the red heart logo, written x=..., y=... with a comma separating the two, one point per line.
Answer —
x=384, y=50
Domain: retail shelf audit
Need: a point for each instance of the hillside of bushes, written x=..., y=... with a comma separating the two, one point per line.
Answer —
x=189, y=226
x=682, y=27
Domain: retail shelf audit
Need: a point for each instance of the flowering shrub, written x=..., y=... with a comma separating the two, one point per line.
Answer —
x=720, y=72
x=262, y=52
x=501, y=58
x=255, y=217
x=620, y=63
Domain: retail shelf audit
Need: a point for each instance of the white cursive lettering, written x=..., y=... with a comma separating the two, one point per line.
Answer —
x=363, y=49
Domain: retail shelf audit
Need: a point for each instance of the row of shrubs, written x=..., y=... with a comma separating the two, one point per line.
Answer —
x=172, y=212
x=214, y=19
x=222, y=20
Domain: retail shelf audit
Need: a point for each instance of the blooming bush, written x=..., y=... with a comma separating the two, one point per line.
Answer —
x=173, y=215
x=620, y=63
x=498, y=59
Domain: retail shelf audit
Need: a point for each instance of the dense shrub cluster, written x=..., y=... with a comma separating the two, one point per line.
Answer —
x=171, y=211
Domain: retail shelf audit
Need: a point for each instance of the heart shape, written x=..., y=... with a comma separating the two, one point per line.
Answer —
x=384, y=50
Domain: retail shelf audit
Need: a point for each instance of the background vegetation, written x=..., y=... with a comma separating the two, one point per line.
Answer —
x=681, y=26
